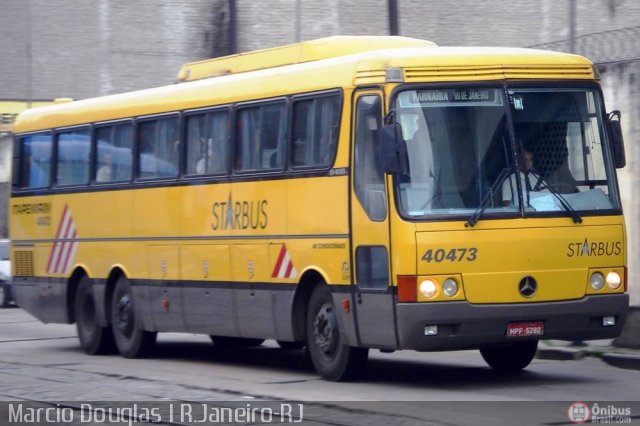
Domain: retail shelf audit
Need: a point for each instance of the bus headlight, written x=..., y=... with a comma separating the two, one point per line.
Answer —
x=596, y=281
x=450, y=287
x=614, y=280
x=428, y=288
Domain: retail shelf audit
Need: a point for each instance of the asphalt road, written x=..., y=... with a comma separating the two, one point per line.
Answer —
x=43, y=362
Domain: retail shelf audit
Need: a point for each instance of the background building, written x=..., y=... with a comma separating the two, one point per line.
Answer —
x=70, y=48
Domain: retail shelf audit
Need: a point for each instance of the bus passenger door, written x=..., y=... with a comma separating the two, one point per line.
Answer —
x=373, y=296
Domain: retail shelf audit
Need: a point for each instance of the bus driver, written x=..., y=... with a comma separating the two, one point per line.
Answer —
x=530, y=180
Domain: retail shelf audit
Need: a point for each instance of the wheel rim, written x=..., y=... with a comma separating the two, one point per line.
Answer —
x=2, y=295
x=124, y=311
x=325, y=330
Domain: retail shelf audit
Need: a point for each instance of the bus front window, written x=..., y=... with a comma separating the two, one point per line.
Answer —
x=461, y=159
x=562, y=129
x=458, y=144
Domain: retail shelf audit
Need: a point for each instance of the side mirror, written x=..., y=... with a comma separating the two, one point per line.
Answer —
x=394, y=149
x=617, y=143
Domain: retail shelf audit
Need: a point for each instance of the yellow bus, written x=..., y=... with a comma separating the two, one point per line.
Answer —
x=340, y=195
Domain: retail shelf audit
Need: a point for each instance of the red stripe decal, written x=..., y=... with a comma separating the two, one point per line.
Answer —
x=281, y=255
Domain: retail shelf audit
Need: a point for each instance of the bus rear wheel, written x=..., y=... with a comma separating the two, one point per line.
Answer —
x=510, y=358
x=131, y=340
x=331, y=357
x=94, y=338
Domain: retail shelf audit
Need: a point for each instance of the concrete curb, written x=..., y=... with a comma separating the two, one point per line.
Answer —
x=622, y=360
x=622, y=352
x=561, y=354
x=613, y=356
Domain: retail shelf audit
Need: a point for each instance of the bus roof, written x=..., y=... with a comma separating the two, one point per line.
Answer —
x=314, y=50
x=427, y=63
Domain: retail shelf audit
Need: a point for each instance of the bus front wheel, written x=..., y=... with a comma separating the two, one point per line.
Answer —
x=132, y=341
x=331, y=357
x=94, y=339
x=510, y=358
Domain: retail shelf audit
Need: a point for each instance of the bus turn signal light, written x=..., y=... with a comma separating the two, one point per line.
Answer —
x=407, y=288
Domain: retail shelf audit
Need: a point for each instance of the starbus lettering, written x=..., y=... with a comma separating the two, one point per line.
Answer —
x=240, y=214
x=594, y=248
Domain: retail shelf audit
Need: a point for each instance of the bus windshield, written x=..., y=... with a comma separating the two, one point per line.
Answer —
x=461, y=156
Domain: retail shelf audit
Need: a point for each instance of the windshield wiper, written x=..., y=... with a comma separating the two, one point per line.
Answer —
x=487, y=198
x=563, y=201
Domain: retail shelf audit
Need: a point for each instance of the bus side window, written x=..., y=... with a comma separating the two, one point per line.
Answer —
x=261, y=137
x=196, y=144
x=219, y=137
x=158, y=147
x=371, y=267
x=368, y=173
x=247, y=140
x=73, y=149
x=35, y=160
x=114, y=154
x=208, y=143
x=272, y=136
x=301, y=134
x=315, y=131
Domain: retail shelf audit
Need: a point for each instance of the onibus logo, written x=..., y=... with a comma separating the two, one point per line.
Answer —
x=579, y=412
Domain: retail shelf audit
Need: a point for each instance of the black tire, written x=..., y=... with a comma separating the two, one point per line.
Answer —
x=511, y=357
x=226, y=342
x=5, y=295
x=131, y=340
x=94, y=338
x=331, y=358
x=290, y=346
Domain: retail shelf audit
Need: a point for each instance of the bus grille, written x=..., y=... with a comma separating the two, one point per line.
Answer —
x=497, y=72
x=23, y=263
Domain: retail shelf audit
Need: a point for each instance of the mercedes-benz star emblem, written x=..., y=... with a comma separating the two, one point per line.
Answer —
x=527, y=286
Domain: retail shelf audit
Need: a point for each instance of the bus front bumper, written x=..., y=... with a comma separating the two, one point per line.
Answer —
x=461, y=325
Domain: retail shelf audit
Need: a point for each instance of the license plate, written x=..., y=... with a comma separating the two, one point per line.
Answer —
x=523, y=329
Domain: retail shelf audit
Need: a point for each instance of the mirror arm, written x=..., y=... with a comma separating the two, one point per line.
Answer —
x=390, y=118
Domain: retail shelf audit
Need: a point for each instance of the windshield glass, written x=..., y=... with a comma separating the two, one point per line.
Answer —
x=461, y=156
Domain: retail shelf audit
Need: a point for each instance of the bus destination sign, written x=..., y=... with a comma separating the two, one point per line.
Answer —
x=451, y=97
x=457, y=95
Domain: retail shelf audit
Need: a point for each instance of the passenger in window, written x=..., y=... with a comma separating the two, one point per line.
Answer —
x=105, y=170
x=205, y=163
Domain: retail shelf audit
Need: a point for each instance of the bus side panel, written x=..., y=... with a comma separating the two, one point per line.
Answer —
x=207, y=294
x=44, y=298
x=164, y=292
x=255, y=296
x=282, y=312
